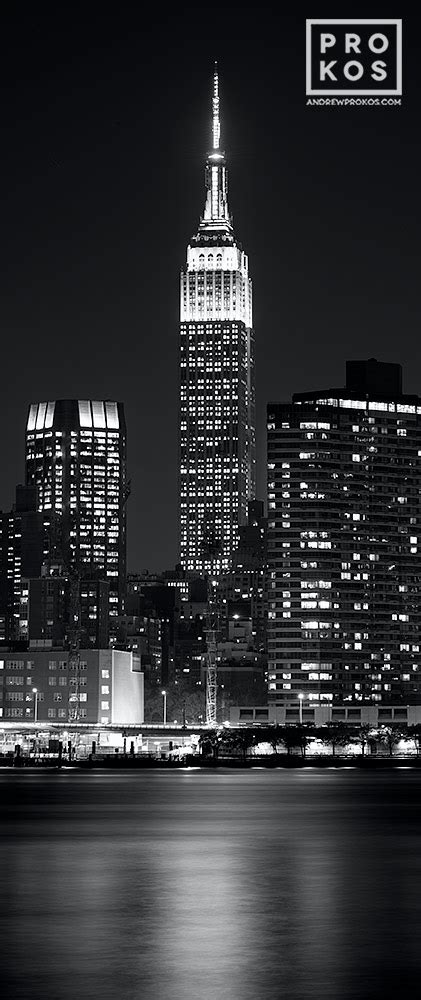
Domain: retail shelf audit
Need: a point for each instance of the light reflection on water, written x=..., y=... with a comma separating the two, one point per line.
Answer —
x=235, y=885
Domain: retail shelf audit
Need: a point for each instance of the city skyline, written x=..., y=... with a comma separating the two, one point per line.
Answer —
x=89, y=245
x=210, y=504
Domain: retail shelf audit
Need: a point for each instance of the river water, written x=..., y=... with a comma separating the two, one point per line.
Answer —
x=202, y=885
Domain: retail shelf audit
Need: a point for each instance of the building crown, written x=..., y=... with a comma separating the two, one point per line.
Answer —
x=216, y=218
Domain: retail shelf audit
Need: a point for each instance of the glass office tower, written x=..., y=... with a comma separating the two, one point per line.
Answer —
x=76, y=459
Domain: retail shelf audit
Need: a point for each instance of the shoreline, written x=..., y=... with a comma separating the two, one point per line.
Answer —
x=282, y=762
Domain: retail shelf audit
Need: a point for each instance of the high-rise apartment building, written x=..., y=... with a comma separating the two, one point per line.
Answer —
x=344, y=542
x=217, y=393
x=76, y=459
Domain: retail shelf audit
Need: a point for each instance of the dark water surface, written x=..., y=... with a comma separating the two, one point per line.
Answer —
x=192, y=885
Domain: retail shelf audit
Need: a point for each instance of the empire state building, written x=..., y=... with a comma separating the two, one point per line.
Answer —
x=217, y=392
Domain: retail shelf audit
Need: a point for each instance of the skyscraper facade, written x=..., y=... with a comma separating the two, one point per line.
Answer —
x=344, y=543
x=76, y=459
x=27, y=540
x=46, y=615
x=217, y=392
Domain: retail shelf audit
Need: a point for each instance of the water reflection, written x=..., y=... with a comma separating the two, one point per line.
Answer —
x=210, y=885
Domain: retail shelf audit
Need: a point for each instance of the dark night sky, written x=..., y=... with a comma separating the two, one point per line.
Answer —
x=106, y=122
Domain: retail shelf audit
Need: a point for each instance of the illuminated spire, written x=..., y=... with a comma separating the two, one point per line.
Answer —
x=216, y=217
x=216, y=125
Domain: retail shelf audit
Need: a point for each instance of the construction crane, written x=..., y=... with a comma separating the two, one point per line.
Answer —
x=74, y=645
x=211, y=547
x=127, y=489
x=211, y=632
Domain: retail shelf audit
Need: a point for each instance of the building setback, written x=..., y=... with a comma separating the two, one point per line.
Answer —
x=344, y=543
x=217, y=392
x=76, y=459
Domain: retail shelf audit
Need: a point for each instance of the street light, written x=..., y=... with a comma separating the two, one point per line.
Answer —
x=164, y=695
x=35, y=694
x=300, y=702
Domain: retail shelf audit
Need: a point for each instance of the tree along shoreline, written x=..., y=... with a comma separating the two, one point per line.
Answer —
x=334, y=744
x=336, y=737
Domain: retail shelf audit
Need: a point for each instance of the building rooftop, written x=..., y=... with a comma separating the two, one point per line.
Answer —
x=365, y=380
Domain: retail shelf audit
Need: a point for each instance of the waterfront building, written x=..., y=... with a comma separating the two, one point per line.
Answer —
x=372, y=716
x=344, y=543
x=37, y=683
x=217, y=390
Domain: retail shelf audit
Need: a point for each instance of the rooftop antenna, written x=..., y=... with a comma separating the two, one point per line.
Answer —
x=216, y=125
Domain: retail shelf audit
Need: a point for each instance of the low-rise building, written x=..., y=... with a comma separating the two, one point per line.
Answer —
x=40, y=683
x=373, y=716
